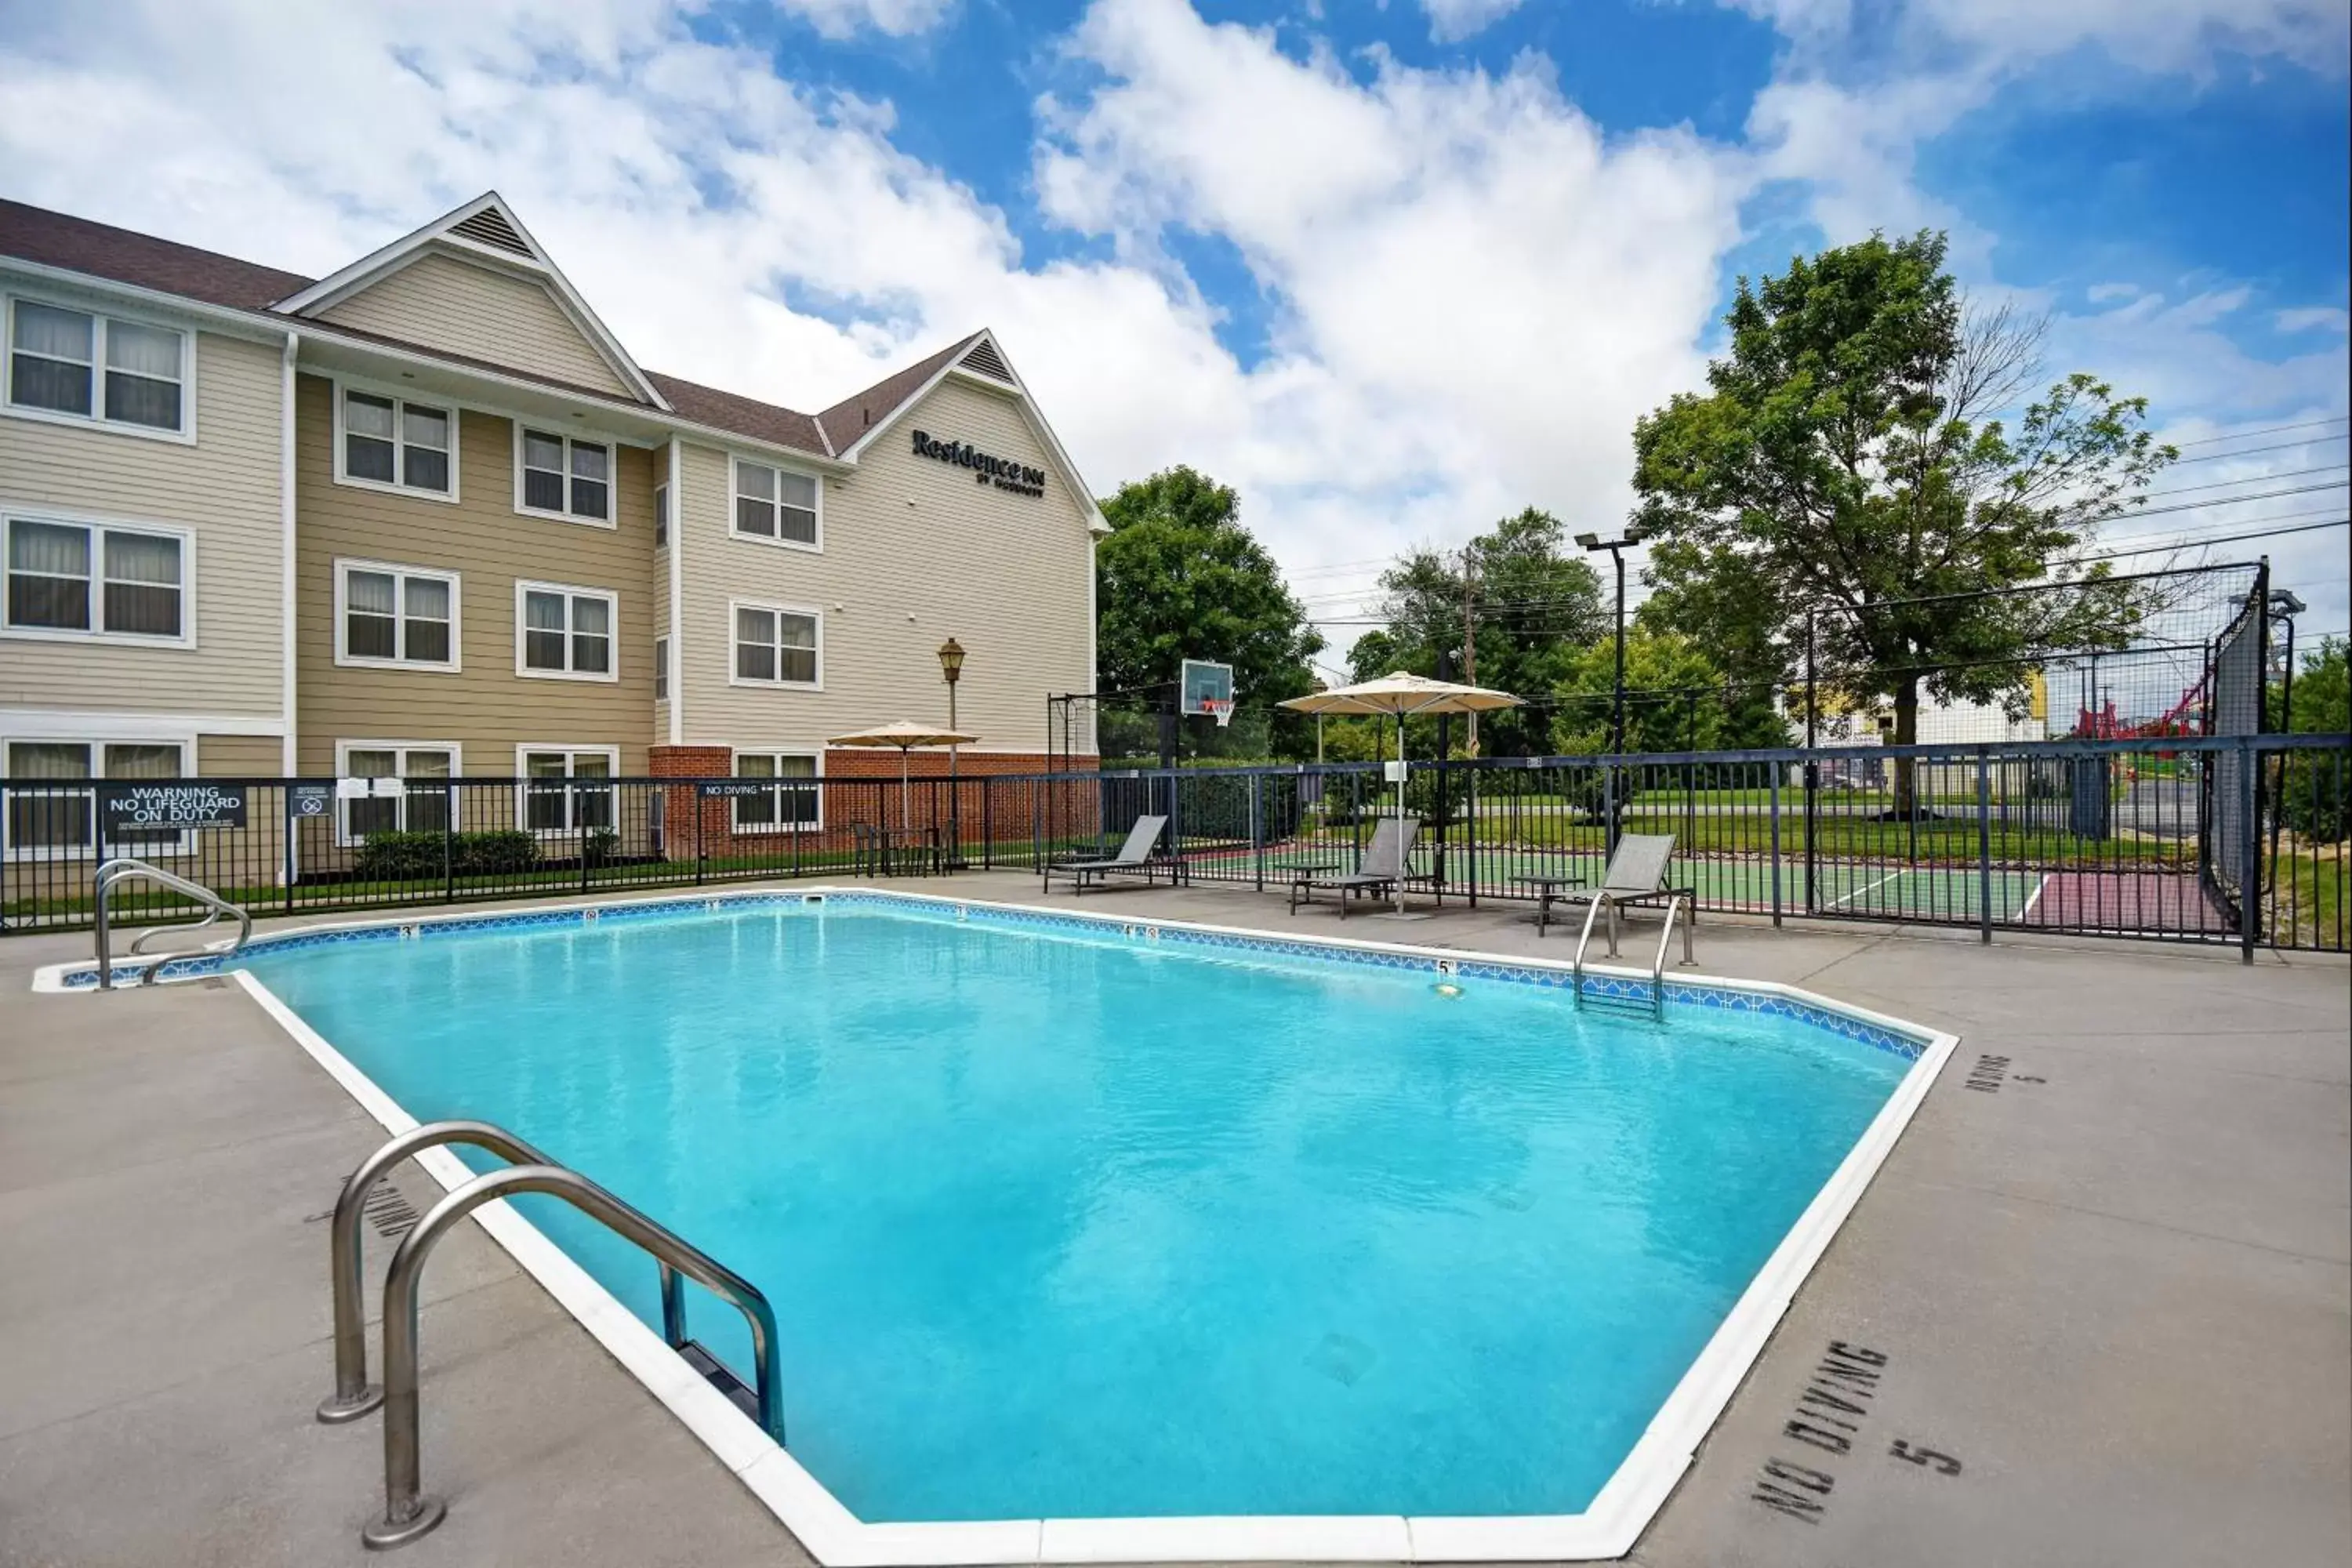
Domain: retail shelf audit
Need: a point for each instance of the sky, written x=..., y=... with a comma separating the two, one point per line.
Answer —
x=1392, y=269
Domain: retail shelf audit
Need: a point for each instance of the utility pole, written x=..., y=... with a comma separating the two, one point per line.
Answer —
x=1470, y=640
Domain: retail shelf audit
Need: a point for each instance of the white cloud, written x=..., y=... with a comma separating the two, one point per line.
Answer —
x=847, y=18
x=2315, y=319
x=1450, y=21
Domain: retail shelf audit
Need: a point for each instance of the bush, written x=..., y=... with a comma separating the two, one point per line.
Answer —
x=419, y=856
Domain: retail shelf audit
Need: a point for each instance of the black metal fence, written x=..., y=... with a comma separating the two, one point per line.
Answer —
x=2099, y=837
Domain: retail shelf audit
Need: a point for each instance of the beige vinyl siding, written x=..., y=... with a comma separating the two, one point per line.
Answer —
x=238, y=757
x=485, y=705
x=443, y=303
x=1007, y=575
x=224, y=488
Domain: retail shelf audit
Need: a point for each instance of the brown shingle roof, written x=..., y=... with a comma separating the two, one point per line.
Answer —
x=850, y=418
x=100, y=250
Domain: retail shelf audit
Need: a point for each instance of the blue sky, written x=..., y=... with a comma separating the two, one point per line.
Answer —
x=1393, y=269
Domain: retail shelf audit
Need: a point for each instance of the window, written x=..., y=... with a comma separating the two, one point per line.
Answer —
x=776, y=646
x=52, y=812
x=410, y=790
x=775, y=504
x=564, y=478
x=395, y=614
x=563, y=633
x=567, y=790
x=661, y=669
x=790, y=804
x=400, y=445
x=88, y=366
x=96, y=580
x=661, y=516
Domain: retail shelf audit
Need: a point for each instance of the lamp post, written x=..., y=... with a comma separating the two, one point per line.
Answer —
x=952, y=667
x=1616, y=548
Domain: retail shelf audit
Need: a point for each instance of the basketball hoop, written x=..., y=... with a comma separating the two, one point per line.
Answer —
x=1219, y=708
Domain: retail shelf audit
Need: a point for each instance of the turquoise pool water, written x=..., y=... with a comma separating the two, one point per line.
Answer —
x=1069, y=1226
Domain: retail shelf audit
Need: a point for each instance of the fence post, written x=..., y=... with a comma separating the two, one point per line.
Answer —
x=1257, y=826
x=449, y=798
x=1776, y=842
x=1812, y=832
x=291, y=827
x=988, y=824
x=1037, y=821
x=2250, y=879
x=1984, y=846
x=701, y=851
x=1470, y=832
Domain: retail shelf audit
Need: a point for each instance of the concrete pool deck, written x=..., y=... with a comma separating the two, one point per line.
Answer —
x=2097, y=1306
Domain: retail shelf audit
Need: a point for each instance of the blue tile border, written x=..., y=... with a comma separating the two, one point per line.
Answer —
x=1905, y=1042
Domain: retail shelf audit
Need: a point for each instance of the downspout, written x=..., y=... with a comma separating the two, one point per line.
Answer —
x=288, y=751
x=677, y=592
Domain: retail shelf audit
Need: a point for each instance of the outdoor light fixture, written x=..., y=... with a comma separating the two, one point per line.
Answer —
x=1616, y=548
x=1588, y=541
x=951, y=667
x=2284, y=603
x=951, y=659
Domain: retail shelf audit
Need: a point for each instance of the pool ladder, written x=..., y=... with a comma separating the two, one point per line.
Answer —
x=408, y=1512
x=116, y=872
x=1658, y=961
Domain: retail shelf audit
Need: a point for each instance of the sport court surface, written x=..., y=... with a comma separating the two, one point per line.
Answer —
x=2112, y=1283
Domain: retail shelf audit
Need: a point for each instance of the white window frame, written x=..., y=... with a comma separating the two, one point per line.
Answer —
x=734, y=821
x=735, y=489
x=344, y=837
x=184, y=740
x=96, y=419
x=612, y=517
x=661, y=667
x=9, y=514
x=612, y=755
x=661, y=515
x=524, y=586
x=734, y=676
x=345, y=565
x=400, y=402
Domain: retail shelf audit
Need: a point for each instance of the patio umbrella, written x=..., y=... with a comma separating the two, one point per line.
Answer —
x=1400, y=696
x=906, y=736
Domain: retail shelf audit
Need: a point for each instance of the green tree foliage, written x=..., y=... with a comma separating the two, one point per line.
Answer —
x=1677, y=699
x=1179, y=577
x=2314, y=790
x=1850, y=453
x=1533, y=601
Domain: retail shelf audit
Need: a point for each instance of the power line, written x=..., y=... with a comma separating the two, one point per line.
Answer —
x=2267, y=430
x=2224, y=539
x=2256, y=451
x=2250, y=479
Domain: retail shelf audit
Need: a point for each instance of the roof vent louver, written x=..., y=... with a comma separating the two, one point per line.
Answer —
x=984, y=360
x=489, y=226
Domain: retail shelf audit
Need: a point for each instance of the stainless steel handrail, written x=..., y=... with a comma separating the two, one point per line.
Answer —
x=1602, y=897
x=407, y=1513
x=355, y=1396
x=114, y=873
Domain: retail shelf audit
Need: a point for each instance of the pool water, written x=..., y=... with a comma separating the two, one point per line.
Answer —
x=1062, y=1226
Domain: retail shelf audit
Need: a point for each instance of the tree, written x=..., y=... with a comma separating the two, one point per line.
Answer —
x=1179, y=577
x=1850, y=462
x=1531, y=606
x=1676, y=700
x=2314, y=788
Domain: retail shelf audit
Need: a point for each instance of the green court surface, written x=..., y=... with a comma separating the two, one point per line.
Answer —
x=1844, y=887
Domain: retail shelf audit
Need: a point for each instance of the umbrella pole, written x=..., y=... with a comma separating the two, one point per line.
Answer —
x=906, y=823
x=1397, y=892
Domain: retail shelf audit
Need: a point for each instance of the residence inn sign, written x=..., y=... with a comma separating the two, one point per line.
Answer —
x=1002, y=472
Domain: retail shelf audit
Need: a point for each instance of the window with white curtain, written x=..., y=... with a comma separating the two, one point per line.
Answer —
x=777, y=645
x=95, y=580
x=790, y=804
x=392, y=442
x=564, y=477
x=563, y=632
x=568, y=789
x=775, y=504
x=395, y=614
x=52, y=812
x=86, y=365
x=419, y=802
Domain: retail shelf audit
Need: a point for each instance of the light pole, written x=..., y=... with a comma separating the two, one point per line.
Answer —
x=951, y=667
x=1616, y=548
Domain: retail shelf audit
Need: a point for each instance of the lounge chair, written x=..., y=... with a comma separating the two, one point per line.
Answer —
x=1136, y=857
x=1385, y=864
x=1635, y=875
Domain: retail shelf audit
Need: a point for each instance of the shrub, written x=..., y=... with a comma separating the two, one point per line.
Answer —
x=420, y=857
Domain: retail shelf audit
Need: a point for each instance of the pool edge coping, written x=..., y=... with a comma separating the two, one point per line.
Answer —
x=1606, y=1530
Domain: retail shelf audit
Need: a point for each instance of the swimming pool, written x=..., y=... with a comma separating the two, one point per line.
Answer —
x=1072, y=1218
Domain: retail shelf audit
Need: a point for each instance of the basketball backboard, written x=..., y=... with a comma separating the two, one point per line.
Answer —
x=1206, y=687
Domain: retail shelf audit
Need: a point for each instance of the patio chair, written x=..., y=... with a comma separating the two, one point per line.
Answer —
x=1137, y=856
x=1634, y=877
x=1386, y=863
